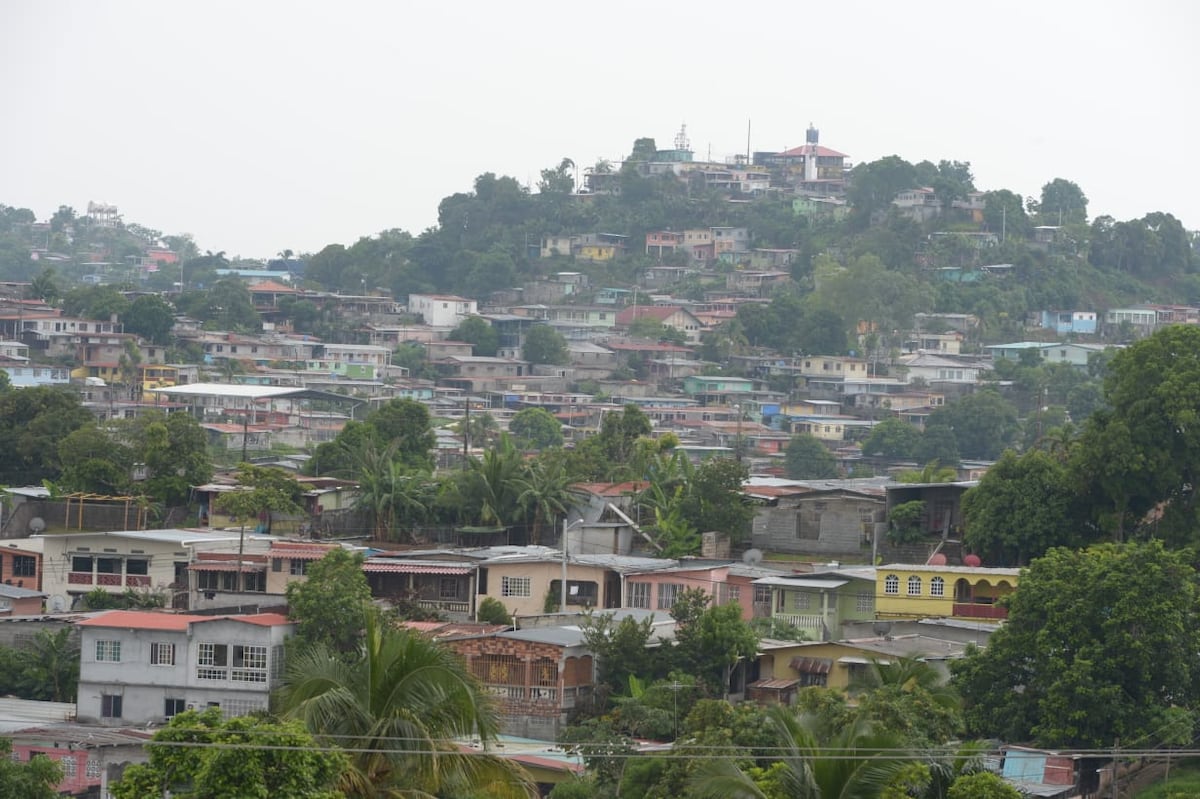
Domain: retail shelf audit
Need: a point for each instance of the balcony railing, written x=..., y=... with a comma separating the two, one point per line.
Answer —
x=79, y=578
x=108, y=579
x=137, y=581
x=444, y=605
x=808, y=622
x=973, y=611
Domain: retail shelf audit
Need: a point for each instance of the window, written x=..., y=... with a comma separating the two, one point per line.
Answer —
x=110, y=706
x=108, y=565
x=639, y=595
x=914, y=585
x=762, y=594
x=864, y=603
x=735, y=593
x=137, y=566
x=937, y=587
x=108, y=651
x=24, y=566
x=208, y=581
x=162, y=654
x=81, y=563
x=276, y=564
x=801, y=600
x=211, y=660
x=69, y=766
x=93, y=768
x=254, y=581
x=249, y=664
x=448, y=588
x=173, y=707
x=516, y=586
x=891, y=584
x=297, y=568
x=667, y=594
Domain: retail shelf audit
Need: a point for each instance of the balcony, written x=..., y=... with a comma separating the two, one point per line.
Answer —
x=813, y=624
x=445, y=606
x=973, y=611
x=80, y=578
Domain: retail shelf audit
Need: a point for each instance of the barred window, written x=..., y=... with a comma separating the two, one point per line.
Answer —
x=914, y=585
x=937, y=587
x=516, y=586
x=108, y=651
x=162, y=654
x=68, y=766
x=249, y=664
x=865, y=603
x=891, y=584
x=211, y=661
x=667, y=594
x=639, y=595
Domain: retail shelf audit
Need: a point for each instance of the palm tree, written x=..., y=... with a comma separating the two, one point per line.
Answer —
x=498, y=477
x=855, y=762
x=397, y=709
x=388, y=491
x=932, y=472
x=907, y=674
x=544, y=492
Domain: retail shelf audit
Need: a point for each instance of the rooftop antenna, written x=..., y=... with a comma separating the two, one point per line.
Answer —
x=747, y=140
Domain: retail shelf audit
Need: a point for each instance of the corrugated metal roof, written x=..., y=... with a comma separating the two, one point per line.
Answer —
x=391, y=566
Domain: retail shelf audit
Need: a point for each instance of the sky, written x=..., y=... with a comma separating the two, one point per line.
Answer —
x=285, y=124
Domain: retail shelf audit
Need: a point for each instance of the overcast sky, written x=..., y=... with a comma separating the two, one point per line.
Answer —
x=260, y=125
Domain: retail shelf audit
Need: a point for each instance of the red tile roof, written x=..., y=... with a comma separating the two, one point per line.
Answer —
x=272, y=287
x=143, y=620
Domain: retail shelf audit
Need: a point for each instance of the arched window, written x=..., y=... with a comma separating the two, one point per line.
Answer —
x=914, y=585
x=937, y=587
x=891, y=584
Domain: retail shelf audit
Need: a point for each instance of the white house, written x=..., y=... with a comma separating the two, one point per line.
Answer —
x=442, y=310
x=936, y=369
x=145, y=560
x=138, y=667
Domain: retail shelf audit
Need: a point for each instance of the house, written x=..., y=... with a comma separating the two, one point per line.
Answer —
x=941, y=343
x=730, y=240
x=441, y=310
x=528, y=579
x=756, y=283
x=832, y=366
x=819, y=603
x=1066, y=322
x=709, y=384
x=552, y=246
x=904, y=590
x=139, y=667
x=810, y=162
x=826, y=518
x=938, y=369
x=144, y=560
x=941, y=517
x=20, y=567
x=661, y=242
x=540, y=674
x=18, y=601
x=1072, y=353
x=481, y=367
x=444, y=585
x=784, y=667
x=90, y=757
x=672, y=316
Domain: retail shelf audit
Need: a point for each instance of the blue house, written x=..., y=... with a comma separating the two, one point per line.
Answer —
x=1063, y=322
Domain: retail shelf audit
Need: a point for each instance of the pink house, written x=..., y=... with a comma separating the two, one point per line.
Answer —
x=85, y=753
x=658, y=589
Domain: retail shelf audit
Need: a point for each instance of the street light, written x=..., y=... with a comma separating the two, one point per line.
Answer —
x=562, y=605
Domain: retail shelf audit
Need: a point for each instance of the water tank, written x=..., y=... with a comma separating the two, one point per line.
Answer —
x=938, y=560
x=811, y=135
x=974, y=561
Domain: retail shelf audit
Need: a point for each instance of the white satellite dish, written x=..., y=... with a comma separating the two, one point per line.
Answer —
x=752, y=557
x=37, y=524
x=58, y=603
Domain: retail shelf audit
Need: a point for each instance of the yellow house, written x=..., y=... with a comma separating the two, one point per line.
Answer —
x=904, y=590
x=784, y=667
x=597, y=252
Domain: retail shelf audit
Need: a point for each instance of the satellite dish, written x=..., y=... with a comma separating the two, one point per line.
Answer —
x=37, y=524
x=752, y=557
x=58, y=603
x=881, y=628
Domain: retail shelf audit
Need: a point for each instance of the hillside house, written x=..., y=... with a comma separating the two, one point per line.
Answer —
x=442, y=310
x=141, y=667
x=819, y=603
x=825, y=518
x=904, y=590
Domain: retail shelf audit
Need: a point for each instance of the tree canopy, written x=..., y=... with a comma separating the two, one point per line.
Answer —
x=1098, y=645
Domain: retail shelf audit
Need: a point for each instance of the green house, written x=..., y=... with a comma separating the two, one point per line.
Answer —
x=821, y=602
